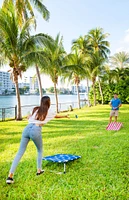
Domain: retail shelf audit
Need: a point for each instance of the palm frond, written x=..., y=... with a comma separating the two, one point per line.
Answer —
x=41, y=8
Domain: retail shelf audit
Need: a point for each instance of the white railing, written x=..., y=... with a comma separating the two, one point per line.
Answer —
x=11, y=112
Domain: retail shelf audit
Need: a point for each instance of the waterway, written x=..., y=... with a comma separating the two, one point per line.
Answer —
x=27, y=100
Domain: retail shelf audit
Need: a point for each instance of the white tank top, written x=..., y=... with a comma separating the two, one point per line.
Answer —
x=50, y=115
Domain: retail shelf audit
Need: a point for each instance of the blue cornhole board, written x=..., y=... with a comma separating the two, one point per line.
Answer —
x=62, y=158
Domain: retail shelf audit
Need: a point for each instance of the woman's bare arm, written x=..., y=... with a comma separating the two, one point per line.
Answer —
x=62, y=116
x=29, y=116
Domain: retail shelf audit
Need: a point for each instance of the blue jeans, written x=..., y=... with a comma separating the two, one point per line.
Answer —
x=33, y=132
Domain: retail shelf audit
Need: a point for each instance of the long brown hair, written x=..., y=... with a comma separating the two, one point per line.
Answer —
x=42, y=110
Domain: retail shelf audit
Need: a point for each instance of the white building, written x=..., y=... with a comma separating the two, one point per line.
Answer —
x=33, y=84
x=22, y=85
x=5, y=82
x=82, y=88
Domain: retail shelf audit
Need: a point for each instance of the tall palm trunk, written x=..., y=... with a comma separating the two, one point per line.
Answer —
x=87, y=86
x=100, y=89
x=39, y=81
x=78, y=96
x=55, y=91
x=94, y=93
x=19, y=115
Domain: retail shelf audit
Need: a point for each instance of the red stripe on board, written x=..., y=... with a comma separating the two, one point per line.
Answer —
x=114, y=126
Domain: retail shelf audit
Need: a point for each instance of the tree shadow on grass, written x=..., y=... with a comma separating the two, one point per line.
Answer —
x=104, y=159
x=73, y=126
x=4, y=142
x=64, y=127
x=96, y=115
x=9, y=132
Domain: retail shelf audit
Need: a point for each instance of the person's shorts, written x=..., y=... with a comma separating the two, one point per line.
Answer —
x=114, y=113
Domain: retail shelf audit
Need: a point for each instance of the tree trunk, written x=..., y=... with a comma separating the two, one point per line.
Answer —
x=100, y=89
x=19, y=115
x=87, y=86
x=94, y=93
x=55, y=90
x=39, y=82
x=78, y=95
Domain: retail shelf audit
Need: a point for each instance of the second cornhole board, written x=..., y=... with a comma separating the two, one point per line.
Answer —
x=115, y=126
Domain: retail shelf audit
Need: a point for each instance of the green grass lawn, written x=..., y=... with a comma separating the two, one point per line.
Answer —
x=101, y=173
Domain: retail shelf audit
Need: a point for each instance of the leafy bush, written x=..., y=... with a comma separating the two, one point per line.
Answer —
x=122, y=88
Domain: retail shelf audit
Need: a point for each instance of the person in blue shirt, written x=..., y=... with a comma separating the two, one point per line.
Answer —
x=115, y=103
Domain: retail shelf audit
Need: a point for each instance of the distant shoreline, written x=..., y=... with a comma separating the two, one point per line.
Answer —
x=4, y=95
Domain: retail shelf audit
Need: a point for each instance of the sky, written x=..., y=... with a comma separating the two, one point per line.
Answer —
x=74, y=18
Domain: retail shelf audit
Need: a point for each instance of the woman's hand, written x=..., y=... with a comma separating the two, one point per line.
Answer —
x=67, y=116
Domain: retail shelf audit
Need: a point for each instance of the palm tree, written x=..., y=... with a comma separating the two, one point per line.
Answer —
x=97, y=37
x=107, y=75
x=100, y=47
x=74, y=70
x=54, y=55
x=120, y=60
x=120, y=74
x=120, y=63
x=104, y=75
x=83, y=46
x=24, y=9
x=17, y=46
x=2, y=59
x=39, y=81
x=94, y=69
x=38, y=57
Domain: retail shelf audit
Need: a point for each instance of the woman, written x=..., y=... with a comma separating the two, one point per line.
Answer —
x=40, y=116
